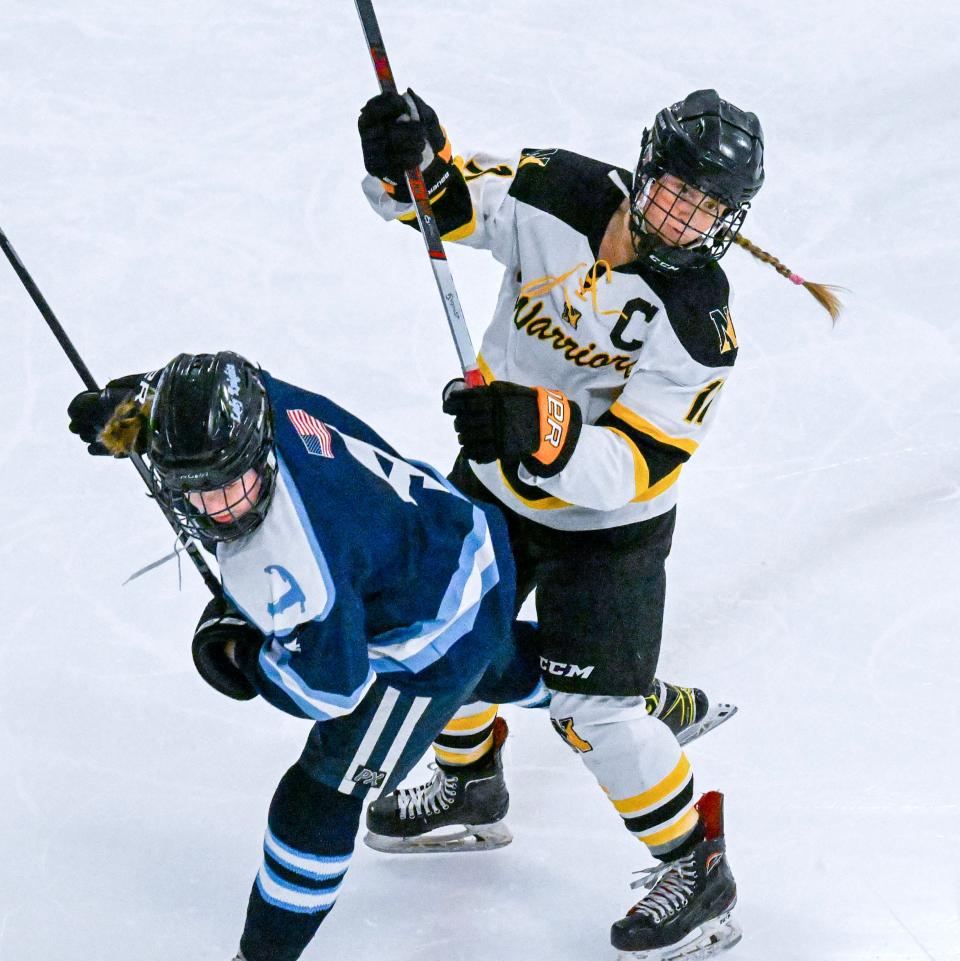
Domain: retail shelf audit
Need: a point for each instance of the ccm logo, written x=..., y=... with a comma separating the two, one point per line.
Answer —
x=556, y=415
x=565, y=670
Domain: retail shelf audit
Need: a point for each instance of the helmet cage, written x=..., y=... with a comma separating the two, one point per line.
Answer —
x=174, y=490
x=211, y=423
x=706, y=246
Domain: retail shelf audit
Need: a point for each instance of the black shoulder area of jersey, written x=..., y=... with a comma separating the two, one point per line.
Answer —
x=573, y=188
x=697, y=303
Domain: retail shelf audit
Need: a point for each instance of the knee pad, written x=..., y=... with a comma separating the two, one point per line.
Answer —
x=615, y=737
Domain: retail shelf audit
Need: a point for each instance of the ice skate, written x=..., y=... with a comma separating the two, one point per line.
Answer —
x=687, y=711
x=459, y=809
x=686, y=913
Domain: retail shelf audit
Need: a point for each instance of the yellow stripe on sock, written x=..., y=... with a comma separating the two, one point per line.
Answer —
x=448, y=757
x=684, y=826
x=632, y=806
x=473, y=722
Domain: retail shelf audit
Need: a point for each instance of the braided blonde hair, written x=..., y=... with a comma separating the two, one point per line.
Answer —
x=823, y=293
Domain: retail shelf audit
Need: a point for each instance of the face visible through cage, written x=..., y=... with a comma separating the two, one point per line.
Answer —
x=227, y=504
x=678, y=214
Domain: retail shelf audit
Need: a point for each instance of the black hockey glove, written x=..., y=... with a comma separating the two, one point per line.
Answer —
x=504, y=421
x=91, y=410
x=394, y=142
x=220, y=624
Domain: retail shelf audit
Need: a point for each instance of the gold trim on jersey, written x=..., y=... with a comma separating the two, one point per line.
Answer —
x=661, y=485
x=458, y=233
x=645, y=427
x=488, y=377
x=540, y=504
x=641, y=473
x=471, y=169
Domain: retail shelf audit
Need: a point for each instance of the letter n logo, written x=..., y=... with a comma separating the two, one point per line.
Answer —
x=725, y=332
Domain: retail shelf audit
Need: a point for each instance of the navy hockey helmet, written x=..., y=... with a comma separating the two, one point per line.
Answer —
x=210, y=423
x=710, y=145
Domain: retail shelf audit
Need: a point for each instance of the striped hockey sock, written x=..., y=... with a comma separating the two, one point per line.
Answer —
x=306, y=852
x=663, y=816
x=468, y=736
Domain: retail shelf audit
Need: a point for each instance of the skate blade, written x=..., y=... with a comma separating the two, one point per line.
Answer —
x=709, y=939
x=469, y=837
x=716, y=715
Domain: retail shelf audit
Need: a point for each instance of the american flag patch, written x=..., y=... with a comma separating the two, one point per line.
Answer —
x=314, y=433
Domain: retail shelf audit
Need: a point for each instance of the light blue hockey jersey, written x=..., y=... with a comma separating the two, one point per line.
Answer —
x=366, y=564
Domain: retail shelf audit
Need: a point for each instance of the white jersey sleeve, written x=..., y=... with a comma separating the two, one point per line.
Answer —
x=644, y=354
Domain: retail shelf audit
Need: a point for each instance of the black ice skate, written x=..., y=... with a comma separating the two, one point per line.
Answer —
x=686, y=912
x=460, y=809
x=687, y=711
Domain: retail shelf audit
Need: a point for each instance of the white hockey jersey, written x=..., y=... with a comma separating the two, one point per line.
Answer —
x=644, y=354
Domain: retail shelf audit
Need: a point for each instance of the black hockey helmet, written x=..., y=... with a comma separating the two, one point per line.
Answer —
x=713, y=146
x=210, y=423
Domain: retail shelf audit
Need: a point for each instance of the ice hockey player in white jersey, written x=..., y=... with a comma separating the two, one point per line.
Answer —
x=360, y=591
x=604, y=365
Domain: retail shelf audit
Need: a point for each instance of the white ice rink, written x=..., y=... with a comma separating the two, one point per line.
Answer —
x=185, y=176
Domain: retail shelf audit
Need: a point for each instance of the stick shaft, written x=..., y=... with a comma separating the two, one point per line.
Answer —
x=91, y=384
x=425, y=216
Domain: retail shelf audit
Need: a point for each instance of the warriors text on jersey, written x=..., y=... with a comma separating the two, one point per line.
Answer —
x=644, y=354
x=366, y=564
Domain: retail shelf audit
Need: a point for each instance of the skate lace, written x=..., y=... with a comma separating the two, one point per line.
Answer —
x=431, y=798
x=670, y=886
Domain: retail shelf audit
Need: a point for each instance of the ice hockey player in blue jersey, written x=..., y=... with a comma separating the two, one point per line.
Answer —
x=360, y=591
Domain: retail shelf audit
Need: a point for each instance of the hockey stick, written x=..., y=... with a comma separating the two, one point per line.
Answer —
x=81, y=368
x=425, y=217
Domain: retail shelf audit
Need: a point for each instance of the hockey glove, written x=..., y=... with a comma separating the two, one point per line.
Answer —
x=91, y=410
x=220, y=625
x=398, y=133
x=503, y=421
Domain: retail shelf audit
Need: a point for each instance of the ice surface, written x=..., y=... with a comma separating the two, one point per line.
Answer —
x=184, y=176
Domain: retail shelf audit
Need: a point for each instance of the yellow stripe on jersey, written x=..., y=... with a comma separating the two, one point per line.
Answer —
x=474, y=722
x=645, y=427
x=632, y=806
x=460, y=233
x=641, y=473
x=657, y=489
x=676, y=830
x=488, y=377
x=457, y=233
x=541, y=504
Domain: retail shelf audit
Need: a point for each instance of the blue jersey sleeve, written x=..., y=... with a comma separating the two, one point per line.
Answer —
x=321, y=669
